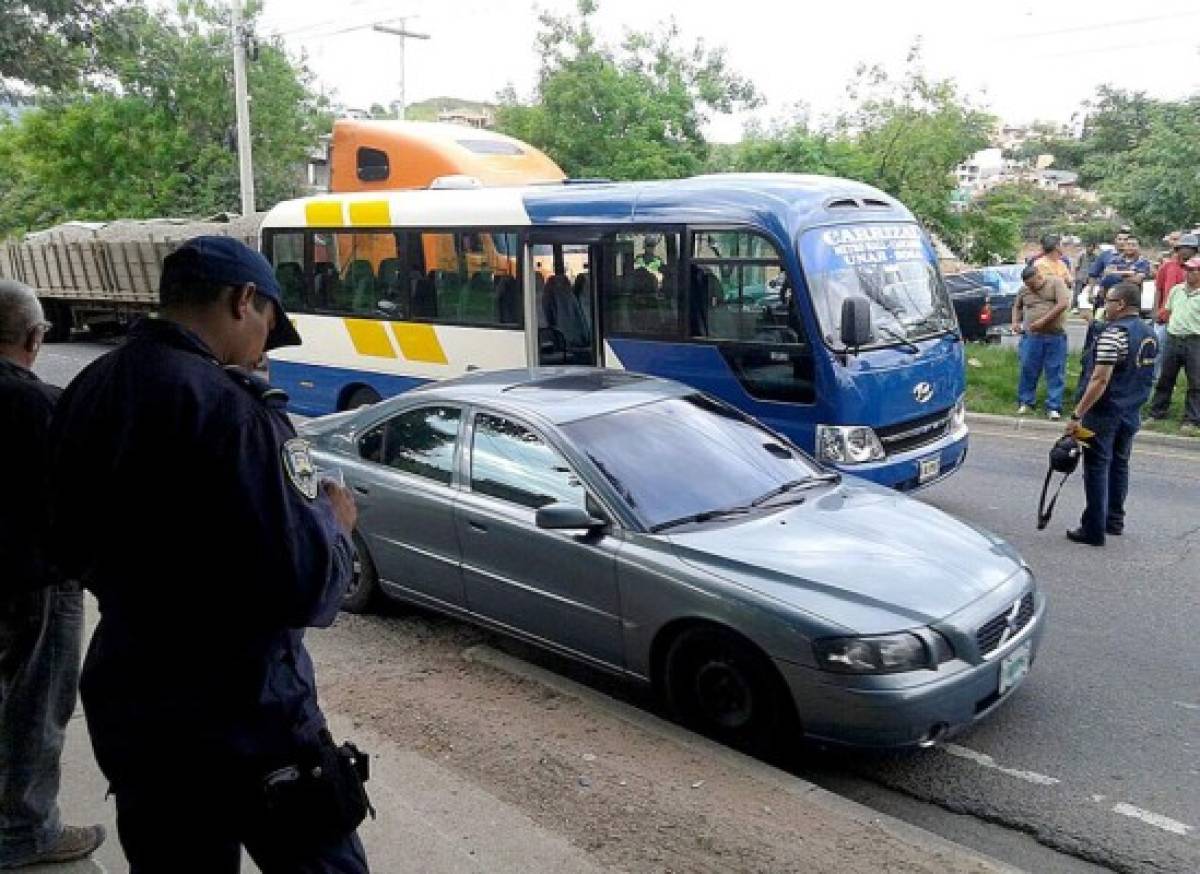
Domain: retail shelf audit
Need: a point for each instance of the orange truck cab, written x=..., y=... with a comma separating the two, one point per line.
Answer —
x=385, y=155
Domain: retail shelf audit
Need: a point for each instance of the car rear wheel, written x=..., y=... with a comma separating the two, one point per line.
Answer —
x=363, y=590
x=722, y=686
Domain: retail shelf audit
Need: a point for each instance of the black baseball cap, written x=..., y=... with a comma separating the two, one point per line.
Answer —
x=226, y=260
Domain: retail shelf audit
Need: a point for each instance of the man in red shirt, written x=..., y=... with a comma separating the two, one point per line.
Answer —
x=1169, y=275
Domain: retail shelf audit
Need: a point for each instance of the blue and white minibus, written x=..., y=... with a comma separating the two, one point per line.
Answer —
x=814, y=304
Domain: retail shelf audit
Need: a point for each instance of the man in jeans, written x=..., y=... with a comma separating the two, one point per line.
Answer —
x=41, y=617
x=1118, y=371
x=1182, y=351
x=1040, y=316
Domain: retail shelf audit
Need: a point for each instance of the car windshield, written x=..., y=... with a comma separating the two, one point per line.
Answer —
x=889, y=264
x=681, y=457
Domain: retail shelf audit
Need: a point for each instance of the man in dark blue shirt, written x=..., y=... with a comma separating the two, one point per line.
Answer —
x=1118, y=373
x=185, y=502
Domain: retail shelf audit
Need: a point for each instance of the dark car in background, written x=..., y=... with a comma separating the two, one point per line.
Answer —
x=1004, y=283
x=971, y=306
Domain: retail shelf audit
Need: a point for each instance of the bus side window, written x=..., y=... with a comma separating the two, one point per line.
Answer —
x=741, y=297
x=642, y=296
x=287, y=257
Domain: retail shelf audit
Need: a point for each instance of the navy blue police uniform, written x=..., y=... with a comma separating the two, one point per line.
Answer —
x=185, y=502
x=1115, y=418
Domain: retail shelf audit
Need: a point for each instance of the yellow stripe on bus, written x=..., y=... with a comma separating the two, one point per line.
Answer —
x=371, y=213
x=369, y=338
x=419, y=342
x=324, y=214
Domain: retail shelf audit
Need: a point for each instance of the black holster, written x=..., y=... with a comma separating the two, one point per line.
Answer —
x=322, y=795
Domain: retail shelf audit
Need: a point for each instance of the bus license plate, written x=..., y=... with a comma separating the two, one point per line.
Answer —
x=1014, y=667
x=930, y=467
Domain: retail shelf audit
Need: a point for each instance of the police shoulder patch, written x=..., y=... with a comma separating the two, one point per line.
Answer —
x=298, y=465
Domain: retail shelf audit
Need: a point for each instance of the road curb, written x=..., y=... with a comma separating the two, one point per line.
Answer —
x=1022, y=424
x=913, y=835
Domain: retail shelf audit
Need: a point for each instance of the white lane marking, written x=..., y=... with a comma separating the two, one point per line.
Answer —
x=1157, y=820
x=1099, y=798
x=1186, y=706
x=988, y=762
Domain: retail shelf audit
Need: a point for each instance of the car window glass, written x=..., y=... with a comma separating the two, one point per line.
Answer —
x=417, y=441
x=510, y=462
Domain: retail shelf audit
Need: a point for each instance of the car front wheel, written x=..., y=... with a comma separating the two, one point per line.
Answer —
x=722, y=686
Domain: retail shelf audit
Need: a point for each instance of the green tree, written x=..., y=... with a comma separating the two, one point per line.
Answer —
x=158, y=137
x=46, y=43
x=632, y=112
x=911, y=133
x=1158, y=184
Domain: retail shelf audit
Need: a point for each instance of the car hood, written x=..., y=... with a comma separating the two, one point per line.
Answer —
x=866, y=559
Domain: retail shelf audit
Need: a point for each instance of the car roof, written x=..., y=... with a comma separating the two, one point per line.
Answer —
x=556, y=394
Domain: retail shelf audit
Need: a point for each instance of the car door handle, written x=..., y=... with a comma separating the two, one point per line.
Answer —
x=477, y=526
x=362, y=490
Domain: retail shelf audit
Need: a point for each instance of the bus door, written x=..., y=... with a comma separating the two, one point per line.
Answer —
x=564, y=290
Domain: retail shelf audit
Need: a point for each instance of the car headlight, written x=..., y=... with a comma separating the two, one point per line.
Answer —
x=958, y=419
x=848, y=444
x=878, y=654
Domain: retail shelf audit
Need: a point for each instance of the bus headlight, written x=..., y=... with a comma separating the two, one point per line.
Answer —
x=848, y=444
x=958, y=418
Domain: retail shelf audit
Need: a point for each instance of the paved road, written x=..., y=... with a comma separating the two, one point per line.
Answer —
x=1098, y=755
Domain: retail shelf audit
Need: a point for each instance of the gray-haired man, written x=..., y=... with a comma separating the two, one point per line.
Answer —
x=41, y=616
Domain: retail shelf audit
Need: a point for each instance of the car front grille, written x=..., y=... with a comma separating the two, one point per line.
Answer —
x=914, y=433
x=992, y=635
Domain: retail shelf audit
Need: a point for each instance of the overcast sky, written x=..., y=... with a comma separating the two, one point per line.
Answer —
x=1031, y=61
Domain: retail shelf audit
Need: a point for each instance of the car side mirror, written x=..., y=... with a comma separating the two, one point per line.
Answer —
x=567, y=517
x=856, y=322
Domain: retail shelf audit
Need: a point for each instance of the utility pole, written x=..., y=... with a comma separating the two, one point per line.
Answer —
x=404, y=33
x=241, y=103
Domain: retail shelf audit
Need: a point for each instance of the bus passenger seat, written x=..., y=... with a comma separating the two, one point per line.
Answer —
x=564, y=312
x=360, y=286
x=424, y=298
x=580, y=289
x=508, y=301
x=290, y=277
x=389, y=279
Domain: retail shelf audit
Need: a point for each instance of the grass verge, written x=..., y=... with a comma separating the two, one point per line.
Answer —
x=992, y=385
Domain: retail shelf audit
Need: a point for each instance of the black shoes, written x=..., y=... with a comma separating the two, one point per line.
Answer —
x=1116, y=530
x=1077, y=535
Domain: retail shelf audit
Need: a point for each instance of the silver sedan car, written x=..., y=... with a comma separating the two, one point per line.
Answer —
x=652, y=531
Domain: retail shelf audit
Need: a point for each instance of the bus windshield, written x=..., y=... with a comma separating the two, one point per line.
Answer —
x=889, y=264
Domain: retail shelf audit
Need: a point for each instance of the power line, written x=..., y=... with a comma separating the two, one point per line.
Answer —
x=1087, y=28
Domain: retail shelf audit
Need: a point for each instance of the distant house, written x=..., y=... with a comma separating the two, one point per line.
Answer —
x=483, y=119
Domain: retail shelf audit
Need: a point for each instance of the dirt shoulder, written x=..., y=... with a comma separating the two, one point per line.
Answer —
x=634, y=799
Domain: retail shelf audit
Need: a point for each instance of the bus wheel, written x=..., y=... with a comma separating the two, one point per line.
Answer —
x=363, y=590
x=59, y=314
x=363, y=396
x=722, y=686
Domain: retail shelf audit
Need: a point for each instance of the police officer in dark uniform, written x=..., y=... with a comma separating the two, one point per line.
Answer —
x=1118, y=374
x=185, y=502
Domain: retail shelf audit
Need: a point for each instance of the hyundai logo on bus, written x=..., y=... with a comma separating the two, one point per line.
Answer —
x=922, y=391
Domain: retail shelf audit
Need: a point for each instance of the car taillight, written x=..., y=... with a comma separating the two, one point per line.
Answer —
x=985, y=314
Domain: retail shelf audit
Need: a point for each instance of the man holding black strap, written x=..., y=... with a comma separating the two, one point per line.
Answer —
x=1117, y=374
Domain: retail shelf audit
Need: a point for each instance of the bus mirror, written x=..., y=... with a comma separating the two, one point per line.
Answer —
x=856, y=322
